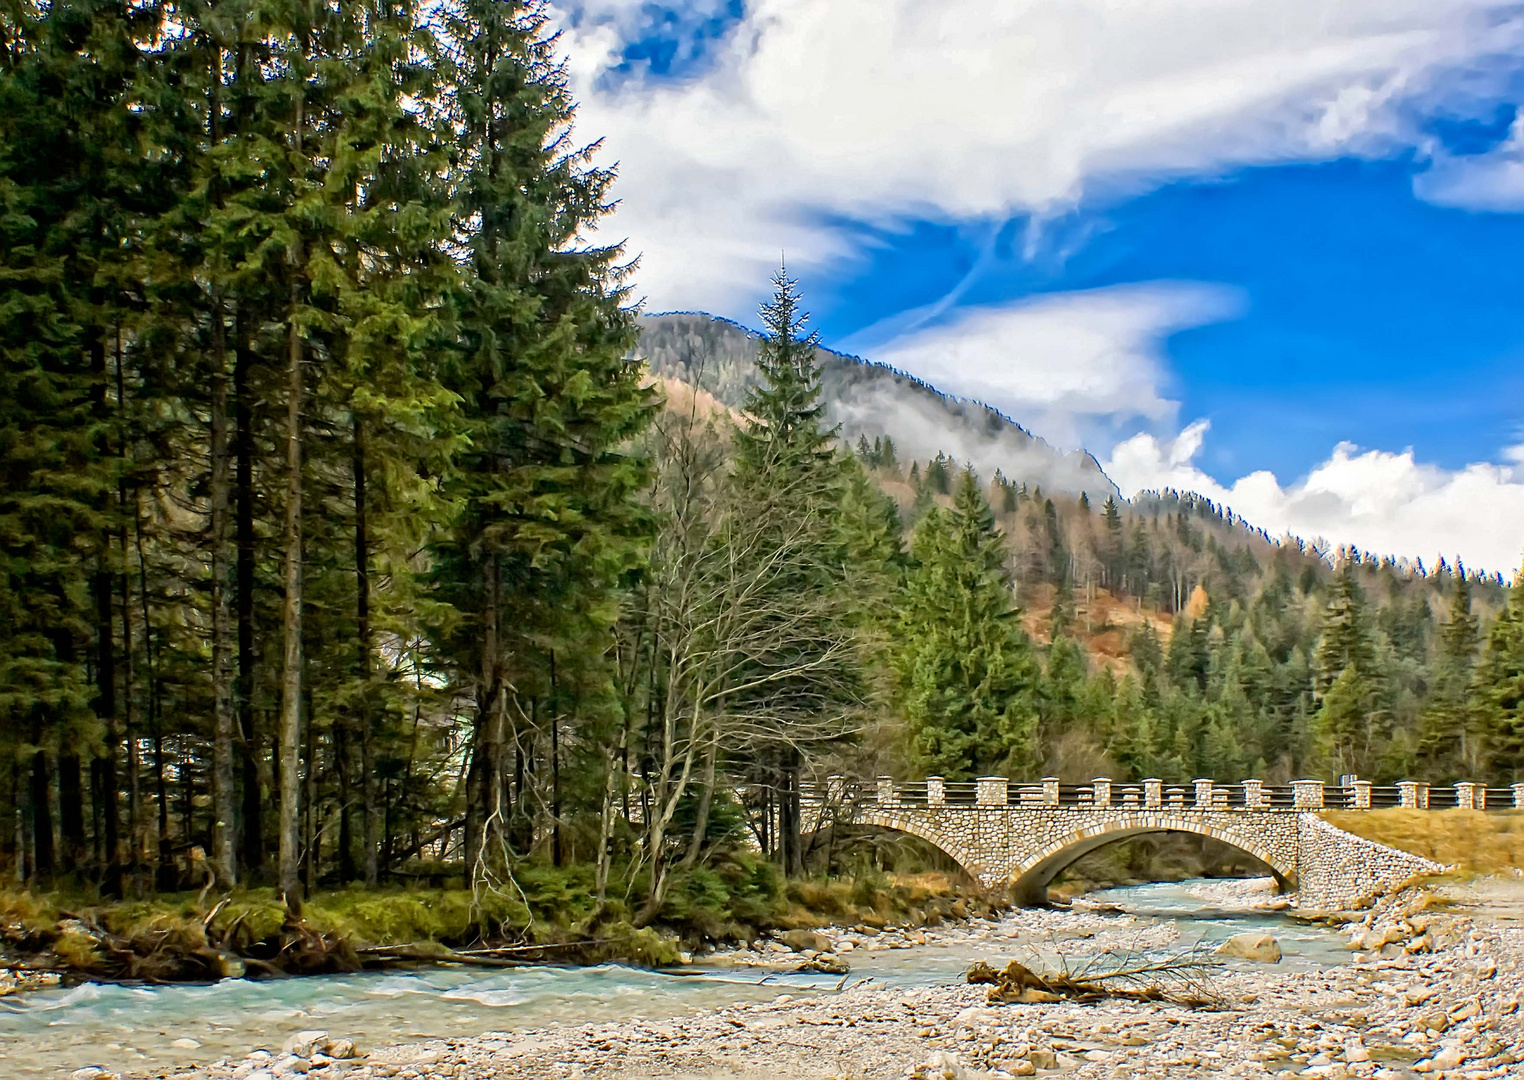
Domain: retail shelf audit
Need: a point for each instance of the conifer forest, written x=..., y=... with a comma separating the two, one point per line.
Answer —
x=346, y=537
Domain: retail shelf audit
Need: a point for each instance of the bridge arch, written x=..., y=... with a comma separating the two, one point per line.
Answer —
x=1025, y=850
x=929, y=829
x=1029, y=880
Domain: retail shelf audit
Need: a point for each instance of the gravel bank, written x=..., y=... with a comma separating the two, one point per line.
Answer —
x=1430, y=993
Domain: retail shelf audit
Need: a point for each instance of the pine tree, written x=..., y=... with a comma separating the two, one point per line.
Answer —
x=1351, y=718
x=546, y=527
x=967, y=677
x=1448, y=735
x=1500, y=689
x=788, y=472
x=937, y=475
x=66, y=171
x=1113, y=554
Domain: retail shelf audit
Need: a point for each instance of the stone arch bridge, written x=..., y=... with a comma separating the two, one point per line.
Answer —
x=1022, y=835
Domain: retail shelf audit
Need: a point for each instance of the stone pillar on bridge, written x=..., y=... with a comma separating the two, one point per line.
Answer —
x=1101, y=796
x=886, y=793
x=1050, y=791
x=1359, y=794
x=991, y=791
x=1153, y=793
x=1307, y=794
x=1254, y=794
x=1413, y=794
x=1518, y=796
x=1203, y=794
x=1465, y=795
x=936, y=791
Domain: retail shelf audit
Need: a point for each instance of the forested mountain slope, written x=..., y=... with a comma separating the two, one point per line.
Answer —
x=1168, y=636
x=871, y=401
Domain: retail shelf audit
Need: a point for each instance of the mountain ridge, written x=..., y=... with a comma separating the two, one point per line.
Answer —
x=871, y=400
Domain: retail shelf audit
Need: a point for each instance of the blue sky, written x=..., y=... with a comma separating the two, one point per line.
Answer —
x=1270, y=250
x=1367, y=314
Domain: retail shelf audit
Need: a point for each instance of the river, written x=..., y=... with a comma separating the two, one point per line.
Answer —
x=53, y=1032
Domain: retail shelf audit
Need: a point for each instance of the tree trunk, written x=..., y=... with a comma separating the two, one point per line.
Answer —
x=341, y=765
x=106, y=709
x=706, y=800
x=224, y=862
x=43, y=860
x=71, y=811
x=252, y=824
x=790, y=825
x=291, y=621
x=555, y=769
x=371, y=813
x=310, y=862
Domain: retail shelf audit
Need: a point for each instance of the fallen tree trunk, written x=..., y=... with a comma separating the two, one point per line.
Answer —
x=1183, y=979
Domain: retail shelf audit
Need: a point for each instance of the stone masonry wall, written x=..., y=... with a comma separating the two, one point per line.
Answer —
x=1340, y=870
x=1005, y=845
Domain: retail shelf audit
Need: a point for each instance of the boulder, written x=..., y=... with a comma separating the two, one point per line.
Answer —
x=805, y=940
x=342, y=1049
x=1260, y=947
x=304, y=1043
x=1447, y=1058
x=825, y=964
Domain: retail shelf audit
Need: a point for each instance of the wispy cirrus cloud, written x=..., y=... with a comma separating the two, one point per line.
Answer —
x=786, y=121
x=809, y=110
x=1072, y=366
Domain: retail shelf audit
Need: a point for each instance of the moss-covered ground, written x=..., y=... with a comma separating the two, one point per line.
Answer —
x=546, y=913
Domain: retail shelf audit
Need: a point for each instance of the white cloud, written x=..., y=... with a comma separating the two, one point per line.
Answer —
x=1490, y=181
x=1063, y=364
x=881, y=109
x=1385, y=503
x=814, y=112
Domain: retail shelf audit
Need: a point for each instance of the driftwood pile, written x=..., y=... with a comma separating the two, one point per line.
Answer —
x=1184, y=979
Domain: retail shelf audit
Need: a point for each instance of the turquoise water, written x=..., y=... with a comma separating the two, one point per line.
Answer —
x=134, y=1028
x=1303, y=945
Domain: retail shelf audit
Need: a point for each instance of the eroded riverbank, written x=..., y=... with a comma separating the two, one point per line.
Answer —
x=1431, y=993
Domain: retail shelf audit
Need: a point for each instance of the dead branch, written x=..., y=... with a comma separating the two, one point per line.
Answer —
x=1183, y=978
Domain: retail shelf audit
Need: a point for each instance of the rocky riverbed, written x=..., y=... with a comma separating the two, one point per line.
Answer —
x=1431, y=990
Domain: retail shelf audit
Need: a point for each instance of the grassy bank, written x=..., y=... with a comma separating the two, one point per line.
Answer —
x=550, y=916
x=1473, y=841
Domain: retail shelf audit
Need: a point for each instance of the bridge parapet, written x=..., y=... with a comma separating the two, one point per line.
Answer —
x=1201, y=795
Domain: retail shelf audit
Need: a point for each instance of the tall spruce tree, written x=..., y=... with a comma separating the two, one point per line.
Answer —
x=1350, y=721
x=968, y=679
x=788, y=470
x=1448, y=727
x=546, y=524
x=1500, y=689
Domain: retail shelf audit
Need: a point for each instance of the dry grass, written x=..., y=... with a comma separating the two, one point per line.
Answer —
x=1473, y=840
